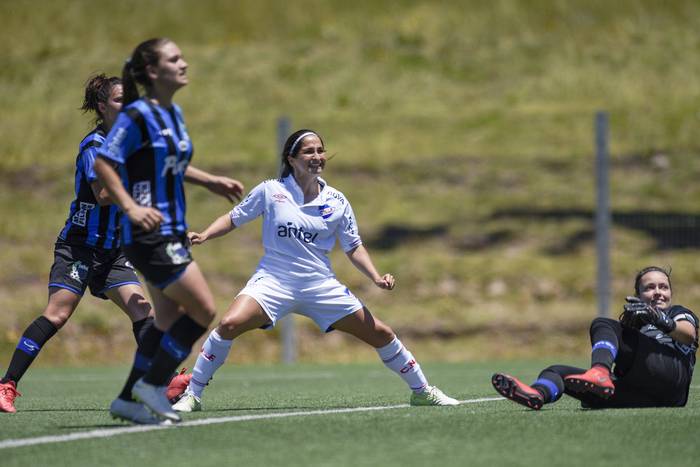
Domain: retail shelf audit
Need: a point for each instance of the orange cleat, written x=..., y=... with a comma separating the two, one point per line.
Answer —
x=177, y=386
x=597, y=381
x=517, y=391
x=8, y=393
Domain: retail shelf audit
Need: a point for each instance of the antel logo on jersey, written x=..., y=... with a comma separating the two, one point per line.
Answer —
x=279, y=197
x=172, y=165
x=325, y=211
x=290, y=231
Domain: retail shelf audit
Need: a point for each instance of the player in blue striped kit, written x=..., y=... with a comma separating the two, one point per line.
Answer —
x=152, y=149
x=86, y=253
x=302, y=218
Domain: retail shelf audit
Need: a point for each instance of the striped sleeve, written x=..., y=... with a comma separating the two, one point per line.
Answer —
x=680, y=313
x=125, y=136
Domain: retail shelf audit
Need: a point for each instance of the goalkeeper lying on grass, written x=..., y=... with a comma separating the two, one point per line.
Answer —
x=644, y=360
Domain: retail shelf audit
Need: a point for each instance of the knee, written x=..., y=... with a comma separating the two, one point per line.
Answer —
x=139, y=307
x=228, y=328
x=601, y=323
x=210, y=311
x=383, y=335
x=204, y=312
x=58, y=315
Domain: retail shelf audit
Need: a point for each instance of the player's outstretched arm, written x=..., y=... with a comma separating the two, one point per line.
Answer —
x=221, y=226
x=360, y=258
x=229, y=188
x=683, y=332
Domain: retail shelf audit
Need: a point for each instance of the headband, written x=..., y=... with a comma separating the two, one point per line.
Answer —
x=299, y=138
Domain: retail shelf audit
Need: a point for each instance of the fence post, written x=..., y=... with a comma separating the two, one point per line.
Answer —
x=602, y=214
x=286, y=324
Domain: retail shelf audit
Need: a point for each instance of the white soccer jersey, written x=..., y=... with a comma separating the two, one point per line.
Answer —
x=297, y=237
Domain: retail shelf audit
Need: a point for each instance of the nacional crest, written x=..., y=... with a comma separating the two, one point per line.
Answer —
x=325, y=211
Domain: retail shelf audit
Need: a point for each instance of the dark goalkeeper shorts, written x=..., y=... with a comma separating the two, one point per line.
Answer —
x=162, y=259
x=76, y=267
x=658, y=372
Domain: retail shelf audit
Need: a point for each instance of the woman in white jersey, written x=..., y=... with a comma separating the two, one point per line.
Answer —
x=302, y=217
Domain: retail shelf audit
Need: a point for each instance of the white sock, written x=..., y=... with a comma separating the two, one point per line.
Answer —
x=397, y=358
x=210, y=358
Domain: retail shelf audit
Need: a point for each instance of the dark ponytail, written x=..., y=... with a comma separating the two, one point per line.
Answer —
x=131, y=92
x=98, y=88
x=134, y=71
x=291, y=148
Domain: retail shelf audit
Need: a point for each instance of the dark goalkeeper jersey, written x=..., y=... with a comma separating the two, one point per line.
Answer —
x=89, y=223
x=677, y=313
x=684, y=353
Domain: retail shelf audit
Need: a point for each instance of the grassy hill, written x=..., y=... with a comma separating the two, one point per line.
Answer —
x=464, y=139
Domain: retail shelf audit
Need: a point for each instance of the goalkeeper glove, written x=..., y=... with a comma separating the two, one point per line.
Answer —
x=662, y=321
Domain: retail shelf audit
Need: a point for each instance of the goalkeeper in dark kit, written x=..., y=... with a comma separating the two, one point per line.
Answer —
x=645, y=359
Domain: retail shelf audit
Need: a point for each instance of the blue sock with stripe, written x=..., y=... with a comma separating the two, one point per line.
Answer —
x=28, y=347
x=550, y=390
x=174, y=348
x=148, y=342
x=604, y=341
x=603, y=353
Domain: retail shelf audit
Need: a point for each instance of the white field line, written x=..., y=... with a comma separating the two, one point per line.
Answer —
x=109, y=432
x=264, y=377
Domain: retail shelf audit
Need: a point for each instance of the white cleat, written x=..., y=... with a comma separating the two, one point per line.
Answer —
x=432, y=396
x=188, y=403
x=154, y=398
x=134, y=412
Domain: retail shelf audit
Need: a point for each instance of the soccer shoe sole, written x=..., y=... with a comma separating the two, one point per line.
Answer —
x=578, y=385
x=508, y=388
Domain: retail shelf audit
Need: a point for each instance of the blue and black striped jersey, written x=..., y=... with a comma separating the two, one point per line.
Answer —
x=89, y=223
x=151, y=145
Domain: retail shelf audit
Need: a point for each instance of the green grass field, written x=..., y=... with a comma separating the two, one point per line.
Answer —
x=61, y=402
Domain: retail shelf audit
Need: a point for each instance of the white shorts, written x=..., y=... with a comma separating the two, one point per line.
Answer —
x=324, y=302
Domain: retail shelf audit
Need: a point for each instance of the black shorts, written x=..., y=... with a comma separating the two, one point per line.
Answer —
x=657, y=371
x=162, y=259
x=75, y=267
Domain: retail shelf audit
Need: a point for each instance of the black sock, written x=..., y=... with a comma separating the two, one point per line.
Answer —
x=175, y=346
x=149, y=341
x=28, y=347
x=140, y=327
x=605, y=340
